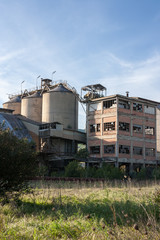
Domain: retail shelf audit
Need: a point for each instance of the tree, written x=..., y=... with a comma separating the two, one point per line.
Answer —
x=17, y=164
x=73, y=169
x=82, y=154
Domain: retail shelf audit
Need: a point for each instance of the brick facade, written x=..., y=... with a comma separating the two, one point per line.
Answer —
x=130, y=129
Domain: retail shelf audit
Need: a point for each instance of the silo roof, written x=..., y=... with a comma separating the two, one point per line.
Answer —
x=60, y=88
x=14, y=100
x=15, y=125
x=35, y=95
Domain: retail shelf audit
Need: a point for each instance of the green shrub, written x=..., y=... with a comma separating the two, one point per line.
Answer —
x=74, y=169
x=91, y=172
x=143, y=174
x=17, y=164
x=156, y=173
x=107, y=171
x=82, y=153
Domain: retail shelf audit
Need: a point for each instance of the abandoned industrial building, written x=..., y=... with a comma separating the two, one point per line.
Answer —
x=50, y=115
x=121, y=130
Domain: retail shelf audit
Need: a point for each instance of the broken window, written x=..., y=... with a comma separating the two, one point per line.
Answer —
x=109, y=103
x=98, y=127
x=123, y=126
x=94, y=107
x=124, y=149
x=109, y=149
x=95, y=127
x=137, y=150
x=124, y=104
x=109, y=126
x=137, y=107
x=137, y=128
x=150, y=152
x=95, y=149
x=92, y=128
x=44, y=126
x=53, y=125
x=149, y=130
x=150, y=110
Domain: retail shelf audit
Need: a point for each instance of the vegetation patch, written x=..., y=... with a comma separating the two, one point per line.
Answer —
x=82, y=212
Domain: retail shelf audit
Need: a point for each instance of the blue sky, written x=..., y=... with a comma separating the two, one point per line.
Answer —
x=112, y=42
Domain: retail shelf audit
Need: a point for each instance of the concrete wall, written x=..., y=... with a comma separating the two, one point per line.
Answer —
x=32, y=108
x=16, y=106
x=60, y=107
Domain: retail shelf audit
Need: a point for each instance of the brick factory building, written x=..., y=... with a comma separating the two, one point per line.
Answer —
x=122, y=130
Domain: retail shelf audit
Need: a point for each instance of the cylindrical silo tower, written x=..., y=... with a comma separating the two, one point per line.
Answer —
x=31, y=107
x=60, y=105
x=14, y=104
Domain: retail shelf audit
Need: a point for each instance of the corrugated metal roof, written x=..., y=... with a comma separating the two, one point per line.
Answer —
x=23, y=118
x=16, y=125
x=60, y=88
x=35, y=95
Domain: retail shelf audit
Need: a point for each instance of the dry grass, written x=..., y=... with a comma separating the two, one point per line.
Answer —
x=68, y=210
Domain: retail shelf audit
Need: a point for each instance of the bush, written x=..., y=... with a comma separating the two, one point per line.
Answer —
x=156, y=173
x=110, y=172
x=73, y=169
x=107, y=171
x=143, y=174
x=82, y=153
x=17, y=163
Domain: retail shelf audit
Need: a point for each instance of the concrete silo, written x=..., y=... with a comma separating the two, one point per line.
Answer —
x=60, y=105
x=14, y=104
x=31, y=106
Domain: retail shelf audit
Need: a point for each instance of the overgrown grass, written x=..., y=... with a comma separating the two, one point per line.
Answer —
x=68, y=210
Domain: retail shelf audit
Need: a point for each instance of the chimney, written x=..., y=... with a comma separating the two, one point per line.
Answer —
x=127, y=94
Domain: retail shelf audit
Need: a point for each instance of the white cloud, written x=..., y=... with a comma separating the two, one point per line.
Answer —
x=140, y=78
x=119, y=61
x=10, y=55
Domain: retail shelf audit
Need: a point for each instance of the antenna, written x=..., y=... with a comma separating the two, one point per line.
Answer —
x=53, y=73
x=36, y=81
x=21, y=86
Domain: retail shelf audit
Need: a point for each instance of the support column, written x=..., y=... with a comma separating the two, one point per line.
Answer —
x=131, y=168
x=117, y=163
x=73, y=146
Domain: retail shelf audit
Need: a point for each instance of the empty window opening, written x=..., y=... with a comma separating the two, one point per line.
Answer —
x=149, y=130
x=95, y=149
x=124, y=104
x=109, y=103
x=53, y=125
x=92, y=128
x=124, y=149
x=137, y=128
x=98, y=127
x=137, y=150
x=123, y=126
x=109, y=149
x=44, y=126
x=150, y=152
x=95, y=127
x=137, y=107
x=94, y=107
x=47, y=126
x=149, y=110
x=109, y=126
